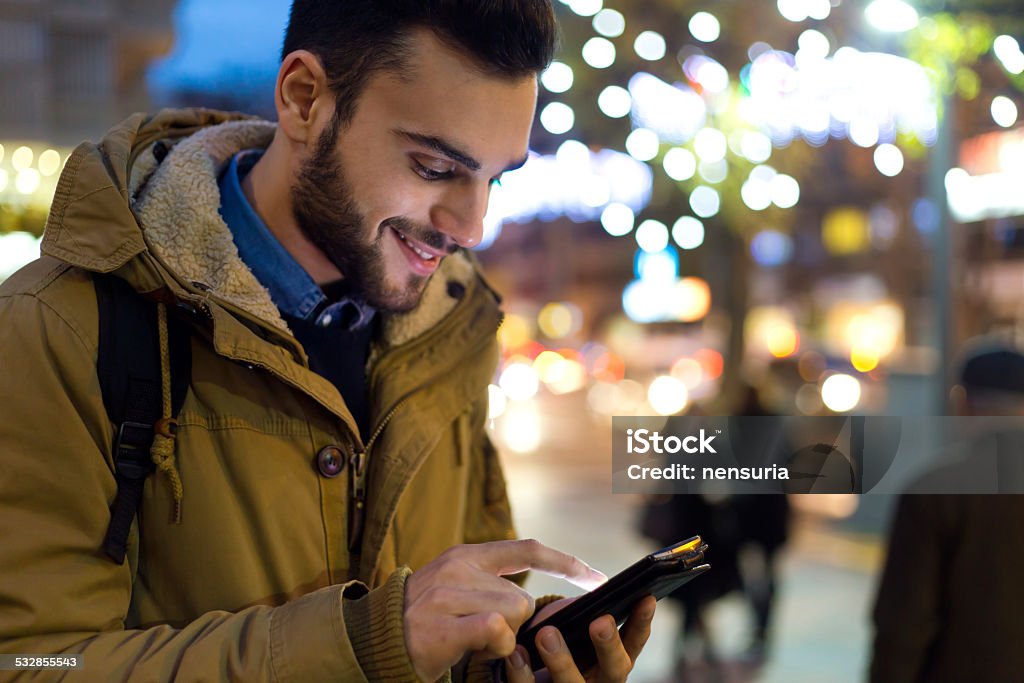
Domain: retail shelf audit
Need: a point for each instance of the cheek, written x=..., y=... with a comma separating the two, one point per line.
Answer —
x=407, y=199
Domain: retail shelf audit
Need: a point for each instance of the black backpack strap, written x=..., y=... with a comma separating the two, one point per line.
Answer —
x=128, y=367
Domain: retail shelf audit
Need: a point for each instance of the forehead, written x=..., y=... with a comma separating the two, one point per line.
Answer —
x=443, y=93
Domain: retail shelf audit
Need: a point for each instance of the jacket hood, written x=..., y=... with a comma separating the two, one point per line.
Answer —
x=145, y=201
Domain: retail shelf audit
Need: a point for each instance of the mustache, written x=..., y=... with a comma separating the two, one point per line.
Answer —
x=428, y=236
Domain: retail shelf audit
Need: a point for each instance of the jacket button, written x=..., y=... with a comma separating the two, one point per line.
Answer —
x=330, y=461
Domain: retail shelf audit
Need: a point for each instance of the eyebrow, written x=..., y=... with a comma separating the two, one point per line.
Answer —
x=452, y=151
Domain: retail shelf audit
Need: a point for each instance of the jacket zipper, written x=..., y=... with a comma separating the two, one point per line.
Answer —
x=357, y=499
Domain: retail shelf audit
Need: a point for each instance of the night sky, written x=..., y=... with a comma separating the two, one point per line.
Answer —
x=217, y=42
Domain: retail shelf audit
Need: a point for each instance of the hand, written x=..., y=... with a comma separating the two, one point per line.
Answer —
x=616, y=652
x=459, y=603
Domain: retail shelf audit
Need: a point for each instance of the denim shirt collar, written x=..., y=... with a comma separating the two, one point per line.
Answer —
x=290, y=286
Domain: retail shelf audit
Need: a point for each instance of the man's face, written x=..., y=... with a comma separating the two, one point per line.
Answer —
x=406, y=182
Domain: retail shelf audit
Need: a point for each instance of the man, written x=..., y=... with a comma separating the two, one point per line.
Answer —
x=341, y=342
x=948, y=604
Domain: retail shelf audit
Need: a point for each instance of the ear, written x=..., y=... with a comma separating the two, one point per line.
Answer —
x=303, y=101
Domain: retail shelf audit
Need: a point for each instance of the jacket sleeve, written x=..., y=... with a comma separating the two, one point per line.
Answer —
x=907, y=611
x=60, y=594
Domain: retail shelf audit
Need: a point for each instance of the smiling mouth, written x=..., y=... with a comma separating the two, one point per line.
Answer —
x=425, y=256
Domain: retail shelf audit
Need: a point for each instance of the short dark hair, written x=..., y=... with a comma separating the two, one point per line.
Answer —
x=355, y=38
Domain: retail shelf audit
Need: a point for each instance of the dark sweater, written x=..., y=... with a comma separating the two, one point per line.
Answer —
x=339, y=356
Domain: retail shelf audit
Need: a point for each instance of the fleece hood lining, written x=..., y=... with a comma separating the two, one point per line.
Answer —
x=177, y=202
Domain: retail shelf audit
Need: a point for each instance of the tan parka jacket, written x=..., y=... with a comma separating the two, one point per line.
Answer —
x=257, y=580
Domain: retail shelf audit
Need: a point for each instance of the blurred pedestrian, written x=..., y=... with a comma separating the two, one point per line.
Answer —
x=747, y=532
x=949, y=603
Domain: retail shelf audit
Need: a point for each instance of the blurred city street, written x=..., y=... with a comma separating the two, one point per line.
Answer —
x=561, y=495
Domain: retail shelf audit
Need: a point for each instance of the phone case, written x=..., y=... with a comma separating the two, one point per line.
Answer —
x=657, y=574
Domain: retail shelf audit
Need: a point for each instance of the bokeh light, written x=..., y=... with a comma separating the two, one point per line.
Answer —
x=49, y=162
x=689, y=371
x=705, y=201
x=705, y=27
x=864, y=358
x=17, y=249
x=756, y=146
x=771, y=248
x=27, y=181
x=652, y=236
x=496, y=402
x=692, y=299
x=609, y=23
x=783, y=341
x=557, y=118
x=614, y=102
x=667, y=395
x=1007, y=51
x=846, y=230
x=840, y=393
x=891, y=16
x=679, y=163
x=808, y=399
x=813, y=44
x=520, y=429
x=888, y=160
x=863, y=132
x=688, y=232
x=712, y=362
x=519, y=381
x=514, y=332
x=1004, y=111
x=599, y=53
x=617, y=219
x=560, y=319
x=756, y=194
x=642, y=144
x=713, y=172
x=710, y=144
x=785, y=191
x=557, y=78
x=585, y=8
x=650, y=45
x=21, y=158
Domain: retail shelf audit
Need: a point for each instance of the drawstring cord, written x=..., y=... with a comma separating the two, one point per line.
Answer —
x=165, y=430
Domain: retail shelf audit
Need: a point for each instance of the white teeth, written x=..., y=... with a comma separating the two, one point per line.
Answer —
x=419, y=252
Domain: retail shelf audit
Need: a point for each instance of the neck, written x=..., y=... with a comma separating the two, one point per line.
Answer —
x=267, y=188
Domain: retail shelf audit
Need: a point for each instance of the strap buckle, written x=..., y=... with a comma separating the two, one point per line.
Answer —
x=131, y=449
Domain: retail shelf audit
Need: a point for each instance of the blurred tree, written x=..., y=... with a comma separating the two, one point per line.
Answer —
x=953, y=41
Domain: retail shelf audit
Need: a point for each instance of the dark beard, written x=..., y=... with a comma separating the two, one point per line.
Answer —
x=327, y=215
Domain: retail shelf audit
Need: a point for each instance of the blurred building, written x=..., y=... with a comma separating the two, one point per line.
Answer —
x=69, y=69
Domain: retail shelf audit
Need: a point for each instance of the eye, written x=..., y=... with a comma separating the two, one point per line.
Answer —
x=433, y=169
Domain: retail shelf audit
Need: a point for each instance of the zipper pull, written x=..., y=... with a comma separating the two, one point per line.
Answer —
x=357, y=499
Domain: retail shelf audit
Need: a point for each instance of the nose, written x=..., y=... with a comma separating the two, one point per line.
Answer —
x=460, y=213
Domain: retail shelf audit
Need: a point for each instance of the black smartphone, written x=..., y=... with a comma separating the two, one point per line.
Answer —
x=657, y=574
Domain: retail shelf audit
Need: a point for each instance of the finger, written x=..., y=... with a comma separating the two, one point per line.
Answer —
x=512, y=557
x=557, y=659
x=638, y=627
x=517, y=667
x=613, y=662
x=485, y=632
x=516, y=606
